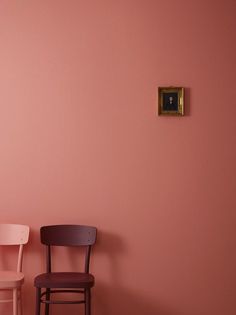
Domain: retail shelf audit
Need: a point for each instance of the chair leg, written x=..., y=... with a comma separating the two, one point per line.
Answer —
x=87, y=302
x=38, y=297
x=46, y=304
x=15, y=301
x=20, y=301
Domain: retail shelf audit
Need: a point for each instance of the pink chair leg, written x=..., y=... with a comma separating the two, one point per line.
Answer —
x=15, y=301
x=20, y=302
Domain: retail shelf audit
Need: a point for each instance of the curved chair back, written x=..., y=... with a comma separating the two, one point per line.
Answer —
x=68, y=235
x=13, y=234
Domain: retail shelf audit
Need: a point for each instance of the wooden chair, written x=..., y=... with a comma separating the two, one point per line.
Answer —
x=62, y=282
x=13, y=234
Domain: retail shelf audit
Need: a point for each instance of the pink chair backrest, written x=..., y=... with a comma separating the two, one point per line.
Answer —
x=13, y=234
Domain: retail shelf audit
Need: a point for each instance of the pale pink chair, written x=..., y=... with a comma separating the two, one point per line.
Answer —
x=13, y=234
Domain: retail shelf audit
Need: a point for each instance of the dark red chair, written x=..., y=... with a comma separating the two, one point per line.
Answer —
x=61, y=282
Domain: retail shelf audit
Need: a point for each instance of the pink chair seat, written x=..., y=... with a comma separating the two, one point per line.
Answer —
x=11, y=279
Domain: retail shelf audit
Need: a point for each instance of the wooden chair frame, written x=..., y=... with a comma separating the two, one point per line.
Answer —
x=13, y=234
x=65, y=282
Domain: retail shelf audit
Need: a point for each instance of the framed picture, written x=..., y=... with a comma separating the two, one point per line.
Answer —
x=171, y=101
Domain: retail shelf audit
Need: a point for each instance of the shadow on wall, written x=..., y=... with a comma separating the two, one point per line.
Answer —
x=114, y=298
x=119, y=300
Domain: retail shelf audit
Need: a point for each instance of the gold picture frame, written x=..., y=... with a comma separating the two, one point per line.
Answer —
x=171, y=101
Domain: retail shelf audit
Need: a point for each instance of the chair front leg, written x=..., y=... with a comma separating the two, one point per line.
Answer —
x=20, y=301
x=38, y=303
x=15, y=301
x=87, y=302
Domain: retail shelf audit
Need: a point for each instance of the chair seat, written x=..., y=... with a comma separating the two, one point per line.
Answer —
x=11, y=279
x=64, y=280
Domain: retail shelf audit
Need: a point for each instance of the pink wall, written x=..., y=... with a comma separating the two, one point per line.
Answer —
x=80, y=143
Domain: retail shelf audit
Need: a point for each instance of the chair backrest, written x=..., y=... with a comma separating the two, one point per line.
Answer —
x=15, y=234
x=68, y=235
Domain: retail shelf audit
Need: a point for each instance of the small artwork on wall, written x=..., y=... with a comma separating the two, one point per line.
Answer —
x=171, y=101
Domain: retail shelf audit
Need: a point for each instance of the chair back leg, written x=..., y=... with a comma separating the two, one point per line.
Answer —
x=47, y=305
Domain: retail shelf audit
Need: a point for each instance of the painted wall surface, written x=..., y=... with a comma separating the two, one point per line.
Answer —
x=80, y=142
